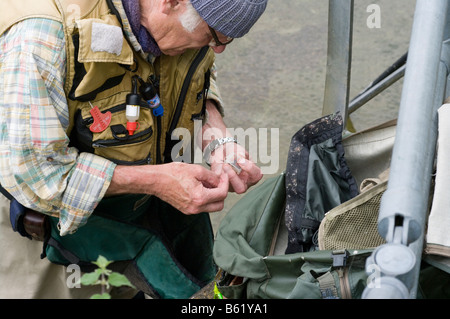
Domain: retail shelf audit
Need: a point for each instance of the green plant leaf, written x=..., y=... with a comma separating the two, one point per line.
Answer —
x=115, y=279
x=104, y=295
x=102, y=262
x=90, y=278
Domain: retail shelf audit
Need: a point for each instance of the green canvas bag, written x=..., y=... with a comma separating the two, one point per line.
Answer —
x=245, y=250
x=249, y=249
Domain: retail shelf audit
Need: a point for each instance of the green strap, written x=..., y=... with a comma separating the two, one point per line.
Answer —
x=327, y=286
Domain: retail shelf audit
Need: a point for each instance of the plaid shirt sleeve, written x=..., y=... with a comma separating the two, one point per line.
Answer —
x=37, y=166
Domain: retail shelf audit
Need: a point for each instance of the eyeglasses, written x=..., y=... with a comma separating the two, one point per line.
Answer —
x=216, y=38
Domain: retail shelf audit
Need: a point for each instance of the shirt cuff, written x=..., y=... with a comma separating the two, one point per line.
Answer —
x=86, y=187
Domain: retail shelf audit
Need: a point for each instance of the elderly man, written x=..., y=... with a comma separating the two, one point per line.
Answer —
x=92, y=94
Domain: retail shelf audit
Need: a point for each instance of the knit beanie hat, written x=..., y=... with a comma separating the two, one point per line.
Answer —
x=233, y=18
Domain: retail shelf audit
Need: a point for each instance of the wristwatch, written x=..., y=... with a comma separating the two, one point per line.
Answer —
x=214, y=145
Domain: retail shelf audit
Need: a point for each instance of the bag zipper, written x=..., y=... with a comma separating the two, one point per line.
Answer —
x=340, y=265
x=344, y=282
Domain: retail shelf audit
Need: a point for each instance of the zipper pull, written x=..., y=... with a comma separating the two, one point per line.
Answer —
x=339, y=263
x=340, y=258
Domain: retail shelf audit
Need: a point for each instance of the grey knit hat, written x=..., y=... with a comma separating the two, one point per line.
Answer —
x=233, y=18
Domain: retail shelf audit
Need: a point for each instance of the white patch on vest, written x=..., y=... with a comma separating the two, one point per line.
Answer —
x=106, y=38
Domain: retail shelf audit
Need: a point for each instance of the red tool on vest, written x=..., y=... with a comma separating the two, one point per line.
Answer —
x=101, y=120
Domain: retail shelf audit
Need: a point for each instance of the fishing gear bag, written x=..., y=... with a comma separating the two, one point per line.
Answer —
x=308, y=232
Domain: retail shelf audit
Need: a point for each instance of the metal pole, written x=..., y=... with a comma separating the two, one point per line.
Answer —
x=340, y=36
x=404, y=205
x=368, y=95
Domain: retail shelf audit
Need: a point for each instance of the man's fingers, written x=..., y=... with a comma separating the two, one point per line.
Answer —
x=253, y=171
x=237, y=183
x=209, y=178
x=218, y=193
x=248, y=176
x=217, y=168
x=215, y=197
x=214, y=207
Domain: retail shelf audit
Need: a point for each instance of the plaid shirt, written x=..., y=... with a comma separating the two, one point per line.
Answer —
x=36, y=164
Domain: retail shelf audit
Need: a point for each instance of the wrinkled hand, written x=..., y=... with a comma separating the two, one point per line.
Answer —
x=192, y=189
x=239, y=182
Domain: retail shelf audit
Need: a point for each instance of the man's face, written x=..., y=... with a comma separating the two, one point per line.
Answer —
x=178, y=39
x=173, y=38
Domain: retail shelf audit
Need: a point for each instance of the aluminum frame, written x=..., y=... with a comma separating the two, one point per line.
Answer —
x=403, y=210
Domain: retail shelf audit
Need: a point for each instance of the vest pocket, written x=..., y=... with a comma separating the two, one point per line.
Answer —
x=93, y=78
x=114, y=143
x=98, y=65
x=123, y=151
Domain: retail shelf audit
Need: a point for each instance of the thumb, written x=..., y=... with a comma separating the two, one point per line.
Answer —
x=209, y=179
x=217, y=168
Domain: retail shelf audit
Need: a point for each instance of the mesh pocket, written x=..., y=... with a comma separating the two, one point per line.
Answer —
x=354, y=224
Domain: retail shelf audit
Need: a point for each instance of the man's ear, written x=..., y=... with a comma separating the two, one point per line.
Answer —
x=170, y=5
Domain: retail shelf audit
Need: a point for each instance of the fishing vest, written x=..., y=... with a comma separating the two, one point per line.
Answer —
x=100, y=75
x=168, y=254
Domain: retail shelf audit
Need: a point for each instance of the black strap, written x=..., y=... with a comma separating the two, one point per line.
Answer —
x=114, y=11
x=5, y=193
x=69, y=256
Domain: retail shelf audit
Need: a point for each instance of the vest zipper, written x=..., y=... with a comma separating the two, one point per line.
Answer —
x=113, y=142
x=158, y=140
x=184, y=89
x=145, y=161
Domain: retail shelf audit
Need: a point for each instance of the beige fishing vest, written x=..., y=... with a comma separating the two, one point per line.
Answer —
x=100, y=74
